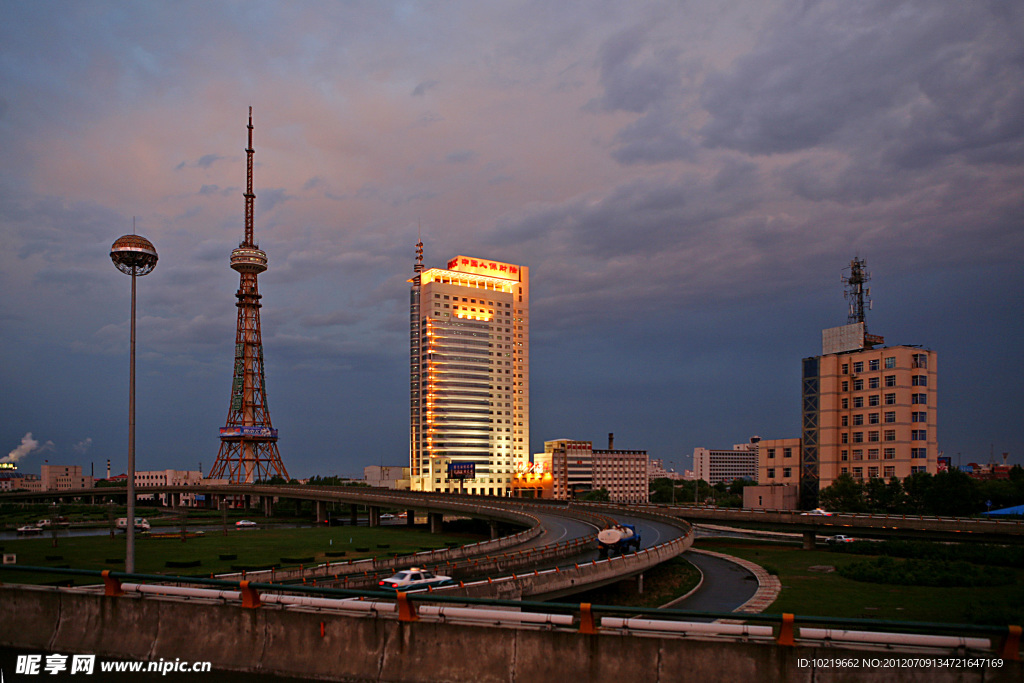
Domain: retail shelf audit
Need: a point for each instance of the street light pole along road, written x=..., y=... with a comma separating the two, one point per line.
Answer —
x=136, y=256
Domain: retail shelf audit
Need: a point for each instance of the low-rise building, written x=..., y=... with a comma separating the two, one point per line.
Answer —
x=387, y=476
x=63, y=478
x=577, y=468
x=714, y=466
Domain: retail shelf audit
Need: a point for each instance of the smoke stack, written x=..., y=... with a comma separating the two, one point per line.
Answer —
x=108, y=468
x=611, y=441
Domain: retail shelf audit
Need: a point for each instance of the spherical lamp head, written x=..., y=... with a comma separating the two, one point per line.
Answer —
x=133, y=255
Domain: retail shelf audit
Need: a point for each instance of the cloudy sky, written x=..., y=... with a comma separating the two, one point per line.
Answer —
x=685, y=181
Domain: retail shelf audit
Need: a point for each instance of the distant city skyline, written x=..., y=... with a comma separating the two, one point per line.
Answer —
x=685, y=182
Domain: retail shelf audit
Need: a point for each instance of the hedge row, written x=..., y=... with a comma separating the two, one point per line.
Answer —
x=925, y=573
x=993, y=555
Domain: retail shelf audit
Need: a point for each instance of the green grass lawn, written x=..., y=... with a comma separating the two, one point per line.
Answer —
x=251, y=546
x=808, y=592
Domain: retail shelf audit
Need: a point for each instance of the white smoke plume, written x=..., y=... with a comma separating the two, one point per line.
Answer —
x=28, y=445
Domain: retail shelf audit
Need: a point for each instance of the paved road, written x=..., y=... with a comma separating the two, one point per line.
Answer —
x=726, y=585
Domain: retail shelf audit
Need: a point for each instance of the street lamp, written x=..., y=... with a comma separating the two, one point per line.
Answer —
x=136, y=256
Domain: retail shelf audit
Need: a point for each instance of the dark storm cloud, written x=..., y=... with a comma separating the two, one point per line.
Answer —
x=923, y=79
x=634, y=79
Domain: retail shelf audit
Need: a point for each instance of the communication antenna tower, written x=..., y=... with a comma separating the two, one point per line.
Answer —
x=248, y=442
x=855, y=292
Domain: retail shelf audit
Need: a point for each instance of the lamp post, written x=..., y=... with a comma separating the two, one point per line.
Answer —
x=136, y=256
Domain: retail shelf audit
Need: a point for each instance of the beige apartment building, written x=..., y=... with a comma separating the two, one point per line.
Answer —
x=576, y=467
x=868, y=412
x=469, y=375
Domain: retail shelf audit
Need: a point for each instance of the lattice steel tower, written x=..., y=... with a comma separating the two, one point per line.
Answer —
x=248, y=442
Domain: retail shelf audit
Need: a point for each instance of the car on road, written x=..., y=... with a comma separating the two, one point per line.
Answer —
x=836, y=540
x=244, y=523
x=817, y=512
x=415, y=578
x=387, y=515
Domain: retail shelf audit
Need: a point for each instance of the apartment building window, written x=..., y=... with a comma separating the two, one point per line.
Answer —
x=844, y=470
x=919, y=399
x=858, y=454
x=846, y=369
x=890, y=380
x=873, y=472
x=844, y=455
x=787, y=472
x=846, y=404
x=918, y=453
x=771, y=472
x=873, y=364
x=787, y=452
x=873, y=382
x=844, y=438
x=914, y=469
x=873, y=400
x=890, y=399
x=858, y=419
x=858, y=385
x=919, y=380
x=890, y=434
x=858, y=401
x=918, y=434
x=890, y=471
x=858, y=437
x=845, y=386
x=872, y=454
x=858, y=367
x=858, y=472
x=890, y=362
x=844, y=421
x=890, y=416
x=920, y=360
x=872, y=436
x=889, y=453
x=872, y=418
x=771, y=452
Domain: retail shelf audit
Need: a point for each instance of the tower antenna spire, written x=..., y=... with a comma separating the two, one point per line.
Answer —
x=248, y=441
x=854, y=291
x=418, y=268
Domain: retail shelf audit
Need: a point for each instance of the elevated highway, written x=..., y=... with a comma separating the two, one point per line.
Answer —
x=551, y=558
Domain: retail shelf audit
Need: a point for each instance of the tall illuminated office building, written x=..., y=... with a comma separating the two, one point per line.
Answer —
x=469, y=372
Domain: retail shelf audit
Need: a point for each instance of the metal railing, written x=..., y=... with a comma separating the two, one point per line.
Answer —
x=782, y=629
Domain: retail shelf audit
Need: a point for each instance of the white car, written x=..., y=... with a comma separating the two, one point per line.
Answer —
x=415, y=578
x=835, y=540
x=817, y=512
x=244, y=523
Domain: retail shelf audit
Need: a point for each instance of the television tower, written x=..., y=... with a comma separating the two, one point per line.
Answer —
x=248, y=442
x=855, y=293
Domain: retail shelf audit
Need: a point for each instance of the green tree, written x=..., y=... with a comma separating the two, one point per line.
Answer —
x=596, y=496
x=917, y=486
x=845, y=494
x=953, y=493
x=883, y=497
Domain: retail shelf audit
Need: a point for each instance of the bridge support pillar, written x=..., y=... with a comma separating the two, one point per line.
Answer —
x=410, y=517
x=354, y=514
x=374, y=515
x=809, y=540
x=298, y=507
x=640, y=583
x=436, y=522
x=268, y=506
x=321, y=511
x=494, y=529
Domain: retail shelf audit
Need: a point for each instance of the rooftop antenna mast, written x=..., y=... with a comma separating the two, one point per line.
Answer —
x=855, y=292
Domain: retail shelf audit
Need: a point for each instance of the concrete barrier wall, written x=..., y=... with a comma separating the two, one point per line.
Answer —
x=335, y=647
